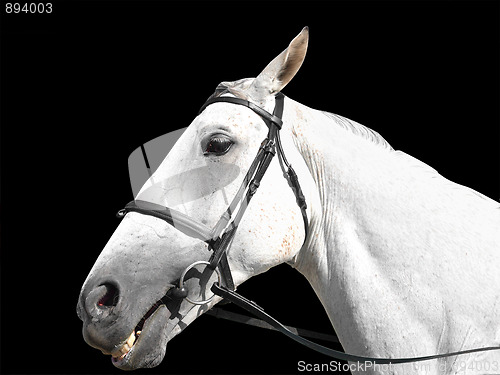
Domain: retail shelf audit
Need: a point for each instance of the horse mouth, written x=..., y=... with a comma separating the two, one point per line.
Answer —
x=146, y=345
x=120, y=353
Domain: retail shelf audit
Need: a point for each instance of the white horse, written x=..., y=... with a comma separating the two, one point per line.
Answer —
x=405, y=262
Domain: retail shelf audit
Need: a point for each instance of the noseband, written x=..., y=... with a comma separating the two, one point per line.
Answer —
x=222, y=236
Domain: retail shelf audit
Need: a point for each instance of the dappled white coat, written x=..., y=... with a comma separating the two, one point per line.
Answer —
x=405, y=262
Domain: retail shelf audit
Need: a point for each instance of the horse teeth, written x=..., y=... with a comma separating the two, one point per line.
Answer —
x=124, y=349
x=120, y=353
x=131, y=339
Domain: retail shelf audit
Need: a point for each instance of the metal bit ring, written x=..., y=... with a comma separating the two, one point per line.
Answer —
x=181, y=282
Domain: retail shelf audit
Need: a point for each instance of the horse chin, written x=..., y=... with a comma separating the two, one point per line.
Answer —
x=149, y=348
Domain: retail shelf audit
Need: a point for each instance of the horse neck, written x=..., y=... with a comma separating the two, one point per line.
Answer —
x=374, y=215
x=346, y=170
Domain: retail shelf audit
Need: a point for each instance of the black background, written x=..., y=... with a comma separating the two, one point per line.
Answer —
x=85, y=85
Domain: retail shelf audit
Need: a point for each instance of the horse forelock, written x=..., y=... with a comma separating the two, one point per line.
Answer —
x=242, y=89
x=238, y=88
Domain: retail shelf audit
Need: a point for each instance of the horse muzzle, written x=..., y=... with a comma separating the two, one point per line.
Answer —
x=112, y=325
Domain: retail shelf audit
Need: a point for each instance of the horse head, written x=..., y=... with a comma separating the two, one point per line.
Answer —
x=127, y=304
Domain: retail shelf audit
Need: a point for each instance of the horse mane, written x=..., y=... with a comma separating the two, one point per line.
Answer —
x=374, y=137
x=358, y=129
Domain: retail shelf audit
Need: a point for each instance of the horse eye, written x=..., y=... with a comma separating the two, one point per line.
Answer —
x=218, y=146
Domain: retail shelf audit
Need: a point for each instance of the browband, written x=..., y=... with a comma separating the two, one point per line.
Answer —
x=266, y=116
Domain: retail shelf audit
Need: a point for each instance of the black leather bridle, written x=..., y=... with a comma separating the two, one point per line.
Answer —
x=223, y=234
x=221, y=237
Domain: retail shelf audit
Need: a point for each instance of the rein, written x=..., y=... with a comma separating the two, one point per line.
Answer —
x=221, y=237
x=259, y=312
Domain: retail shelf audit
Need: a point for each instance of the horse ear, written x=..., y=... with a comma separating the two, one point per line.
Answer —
x=282, y=69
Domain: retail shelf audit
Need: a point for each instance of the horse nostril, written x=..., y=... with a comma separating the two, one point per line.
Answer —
x=110, y=297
